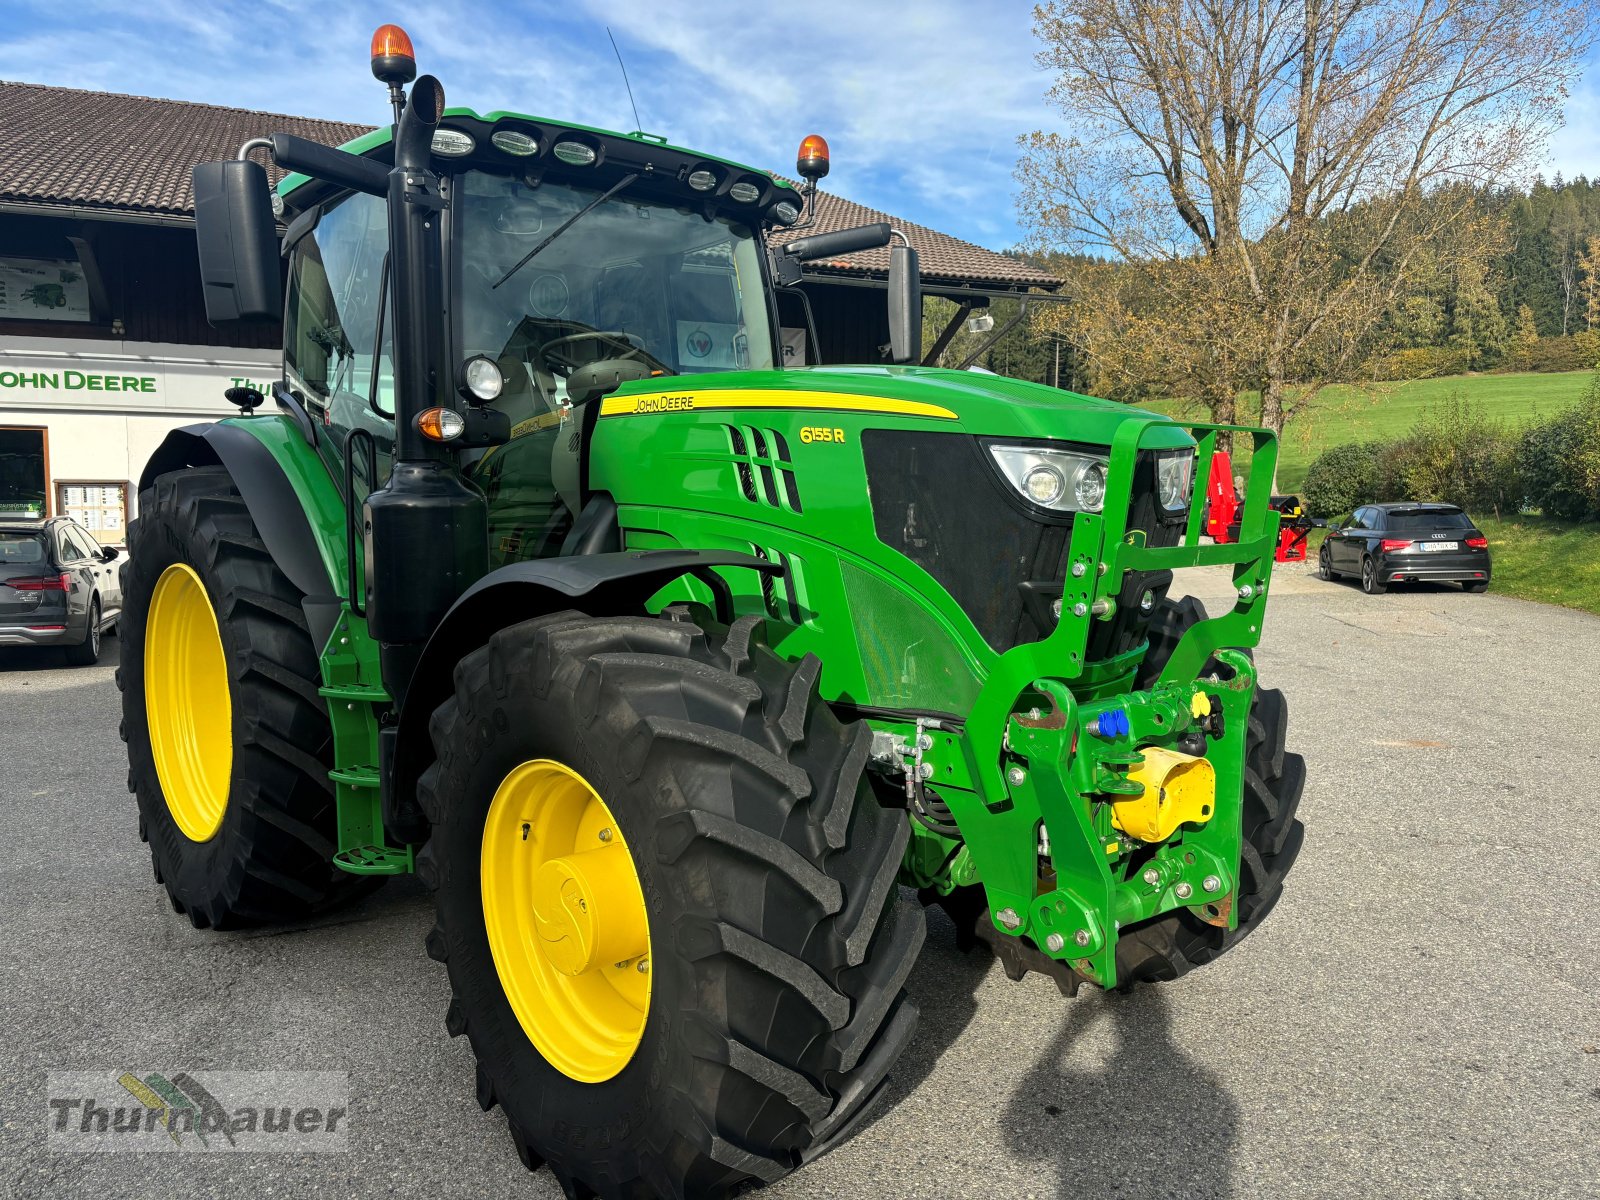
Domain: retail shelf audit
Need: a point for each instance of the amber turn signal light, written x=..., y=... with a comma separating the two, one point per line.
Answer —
x=441, y=424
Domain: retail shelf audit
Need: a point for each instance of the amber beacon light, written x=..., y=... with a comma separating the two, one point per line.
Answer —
x=393, y=60
x=812, y=161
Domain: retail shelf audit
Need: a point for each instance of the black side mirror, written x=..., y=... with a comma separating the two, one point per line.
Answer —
x=108, y=553
x=840, y=242
x=786, y=260
x=905, y=305
x=238, y=242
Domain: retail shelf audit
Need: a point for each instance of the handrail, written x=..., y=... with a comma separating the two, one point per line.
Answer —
x=355, y=582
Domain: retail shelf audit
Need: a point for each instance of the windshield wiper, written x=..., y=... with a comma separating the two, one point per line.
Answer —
x=568, y=224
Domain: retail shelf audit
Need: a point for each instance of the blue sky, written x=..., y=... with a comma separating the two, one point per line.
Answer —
x=921, y=100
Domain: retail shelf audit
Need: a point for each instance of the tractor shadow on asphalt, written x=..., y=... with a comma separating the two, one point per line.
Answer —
x=1110, y=1070
x=1078, y=1102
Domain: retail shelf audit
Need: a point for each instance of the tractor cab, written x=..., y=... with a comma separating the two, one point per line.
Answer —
x=573, y=261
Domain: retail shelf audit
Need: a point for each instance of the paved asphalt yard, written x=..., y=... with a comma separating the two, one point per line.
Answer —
x=1419, y=1017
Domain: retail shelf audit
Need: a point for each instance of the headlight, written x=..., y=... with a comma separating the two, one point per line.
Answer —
x=480, y=379
x=1060, y=480
x=1175, y=479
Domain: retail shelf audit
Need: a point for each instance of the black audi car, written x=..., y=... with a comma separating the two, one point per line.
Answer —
x=1381, y=544
x=57, y=587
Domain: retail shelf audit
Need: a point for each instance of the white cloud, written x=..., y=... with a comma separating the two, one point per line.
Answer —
x=921, y=102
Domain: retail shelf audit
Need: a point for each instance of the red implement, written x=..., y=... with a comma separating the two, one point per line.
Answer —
x=1222, y=513
x=1222, y=502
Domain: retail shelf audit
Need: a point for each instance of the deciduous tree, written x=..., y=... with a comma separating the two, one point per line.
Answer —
x=1264, y=175
x=1589, y=266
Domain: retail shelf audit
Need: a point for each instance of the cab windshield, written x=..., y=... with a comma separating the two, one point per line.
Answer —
x=633, y=278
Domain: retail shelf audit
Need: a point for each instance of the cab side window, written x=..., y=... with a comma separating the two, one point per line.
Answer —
x=332, y=355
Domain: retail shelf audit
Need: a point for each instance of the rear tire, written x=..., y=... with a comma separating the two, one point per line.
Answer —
x=778, y=941
x=1325, y=565
x=1475, y=587
x=270, y=857
x=87, y=652
x=1371, y=584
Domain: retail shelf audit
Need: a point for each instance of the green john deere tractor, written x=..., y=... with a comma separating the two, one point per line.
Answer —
x=665, y=668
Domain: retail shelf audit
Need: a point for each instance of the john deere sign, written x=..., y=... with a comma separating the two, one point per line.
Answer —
x=77, y=381
x=52, y=374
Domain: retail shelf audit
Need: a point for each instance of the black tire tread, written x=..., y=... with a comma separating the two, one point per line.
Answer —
x=686, y=702
x=275, y=865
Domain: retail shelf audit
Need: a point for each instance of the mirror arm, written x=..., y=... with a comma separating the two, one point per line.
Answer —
x=785, y=269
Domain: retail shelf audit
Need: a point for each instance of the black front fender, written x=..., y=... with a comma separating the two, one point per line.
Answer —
x=599, y=584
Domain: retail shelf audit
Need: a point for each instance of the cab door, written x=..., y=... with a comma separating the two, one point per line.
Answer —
x=338, y=356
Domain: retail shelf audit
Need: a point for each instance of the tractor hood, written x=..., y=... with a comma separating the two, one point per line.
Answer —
x=985, y=405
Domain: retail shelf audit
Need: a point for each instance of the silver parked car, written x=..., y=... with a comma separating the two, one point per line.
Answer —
x=57, y=587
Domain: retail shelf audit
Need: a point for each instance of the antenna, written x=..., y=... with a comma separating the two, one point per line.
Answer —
x=638, y=125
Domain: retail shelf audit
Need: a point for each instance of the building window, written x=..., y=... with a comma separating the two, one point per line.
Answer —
x=43, y=289
x=24, y=473
x=101, y=507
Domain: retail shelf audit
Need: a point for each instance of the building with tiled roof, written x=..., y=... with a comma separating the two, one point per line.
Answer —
x=947, y=262
x=62, y=148
x=65, y=149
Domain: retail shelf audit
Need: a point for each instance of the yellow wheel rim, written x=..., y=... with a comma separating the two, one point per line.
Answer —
x=566, y=920
x=187, y=703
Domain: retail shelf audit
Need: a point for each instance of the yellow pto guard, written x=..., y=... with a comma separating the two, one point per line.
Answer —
x=1178, y=788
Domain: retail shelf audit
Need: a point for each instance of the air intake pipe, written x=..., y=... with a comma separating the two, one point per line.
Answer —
x=426, y=532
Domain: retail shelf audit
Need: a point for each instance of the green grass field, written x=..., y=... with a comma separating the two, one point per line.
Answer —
x=1536, y=558
x=1384, y=411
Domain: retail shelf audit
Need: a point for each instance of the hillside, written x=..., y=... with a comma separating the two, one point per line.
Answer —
x=1387, y=410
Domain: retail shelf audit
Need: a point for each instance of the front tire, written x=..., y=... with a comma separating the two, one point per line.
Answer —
x=229, y=743
x=777, y=941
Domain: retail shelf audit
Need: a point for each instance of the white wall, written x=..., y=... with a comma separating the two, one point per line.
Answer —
x=108, y=404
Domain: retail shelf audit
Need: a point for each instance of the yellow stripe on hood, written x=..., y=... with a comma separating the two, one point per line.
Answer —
x=654, y=403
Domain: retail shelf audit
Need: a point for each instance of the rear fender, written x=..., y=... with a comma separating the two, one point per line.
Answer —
x=282, y=480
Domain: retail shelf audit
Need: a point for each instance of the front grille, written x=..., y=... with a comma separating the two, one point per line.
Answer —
x=936, y=500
